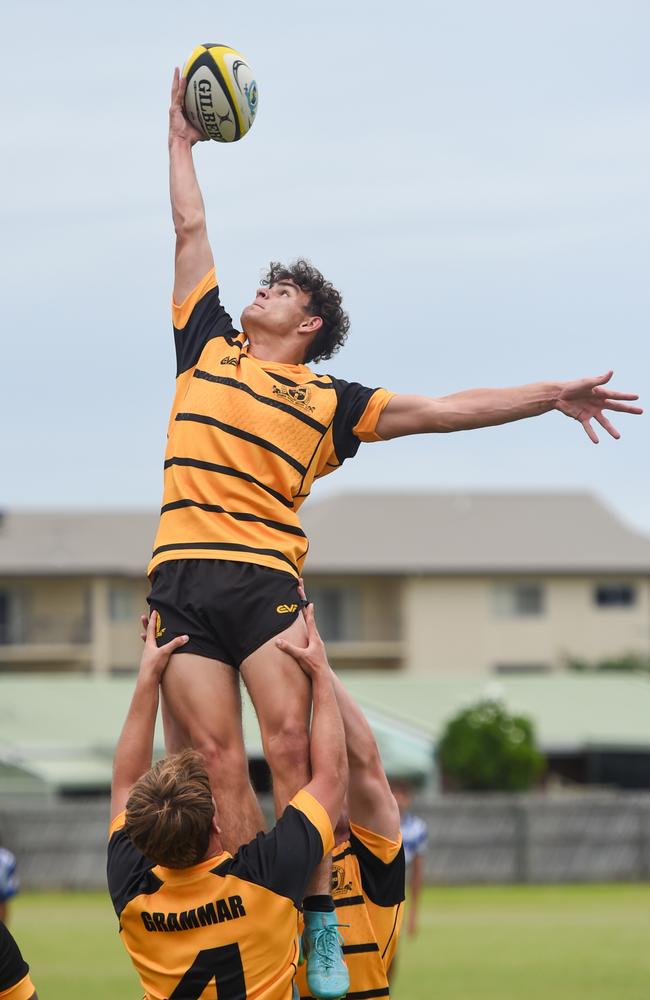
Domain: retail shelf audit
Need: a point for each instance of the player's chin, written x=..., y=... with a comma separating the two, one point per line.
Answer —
x=250, y=318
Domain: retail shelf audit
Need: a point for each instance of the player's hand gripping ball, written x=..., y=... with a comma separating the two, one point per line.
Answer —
x=221, y=96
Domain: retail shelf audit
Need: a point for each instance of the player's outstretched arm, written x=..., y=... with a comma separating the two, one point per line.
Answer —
x=193, y=253
x=583, y=399
x=329, y=765
x=135, y=746
x=371, y=803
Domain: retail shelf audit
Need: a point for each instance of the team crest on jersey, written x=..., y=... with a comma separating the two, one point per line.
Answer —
x=229, y=361
x=299, y=395
x=339, y=885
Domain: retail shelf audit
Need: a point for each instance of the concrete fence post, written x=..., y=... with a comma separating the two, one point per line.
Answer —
x=521, y=841
x=644, y=842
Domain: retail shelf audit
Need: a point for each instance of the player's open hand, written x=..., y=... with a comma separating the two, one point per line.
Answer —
x=586, y=398
x=179, y=126
x=155, y=658
x=312, y=658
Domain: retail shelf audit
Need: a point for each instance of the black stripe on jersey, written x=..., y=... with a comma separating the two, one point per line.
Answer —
x=128, y=871
x=13, y=966
x=234, y=384
x=200, y=418
x=288, y=381
x=343, y=854
x=384, y=991
x=390, y=936
x=352, y=400
x=226, y=470
x=357, y=949
x=207, y=320
x=216, y=509
x=349, y=901
x=225, y=547
x=382, y=883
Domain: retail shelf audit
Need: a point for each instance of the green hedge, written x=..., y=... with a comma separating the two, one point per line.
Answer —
x=484, y=748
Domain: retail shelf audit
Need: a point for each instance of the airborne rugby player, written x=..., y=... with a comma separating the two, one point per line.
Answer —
x=251, y=428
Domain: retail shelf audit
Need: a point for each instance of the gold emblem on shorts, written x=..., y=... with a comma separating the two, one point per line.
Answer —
x=160, y=631
x=339, y=885
x=286, y=609
x=299, y=395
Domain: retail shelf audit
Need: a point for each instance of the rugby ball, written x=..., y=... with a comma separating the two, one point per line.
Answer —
x=221, y=96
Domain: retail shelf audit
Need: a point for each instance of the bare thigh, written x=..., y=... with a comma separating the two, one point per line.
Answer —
x=281, y=694
x=202, y=705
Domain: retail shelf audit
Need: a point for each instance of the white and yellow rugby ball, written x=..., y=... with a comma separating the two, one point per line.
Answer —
x=221, y=97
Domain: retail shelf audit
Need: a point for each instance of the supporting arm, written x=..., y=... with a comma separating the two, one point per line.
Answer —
x=371, y=802
x=134, y=749
x=329, y=765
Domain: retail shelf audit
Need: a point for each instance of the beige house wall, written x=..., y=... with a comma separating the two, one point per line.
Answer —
x=125, y=646
x=452, y=625
x=65, y=623
x=417, y=624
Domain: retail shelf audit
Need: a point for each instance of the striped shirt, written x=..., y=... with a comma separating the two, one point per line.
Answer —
x=246, y=440
x=8, y=875
x=414, y=836
x=368, y=892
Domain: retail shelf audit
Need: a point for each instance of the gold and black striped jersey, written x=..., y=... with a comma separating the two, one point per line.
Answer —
x=368, y=881
x=226, y=928
x=15, y=981
x=246, y=440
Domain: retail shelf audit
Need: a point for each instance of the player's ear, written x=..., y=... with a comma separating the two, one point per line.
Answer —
x=311, y=325
x=214, y=822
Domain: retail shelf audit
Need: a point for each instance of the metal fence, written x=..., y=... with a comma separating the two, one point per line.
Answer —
x=590, y=837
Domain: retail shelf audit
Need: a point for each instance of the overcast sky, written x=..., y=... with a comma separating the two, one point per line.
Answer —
x=475, y=178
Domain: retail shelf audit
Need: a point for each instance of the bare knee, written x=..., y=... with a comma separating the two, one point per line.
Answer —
x=223, y=759
x=287, y=753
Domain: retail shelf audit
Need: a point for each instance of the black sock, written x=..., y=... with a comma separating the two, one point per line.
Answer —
x=318, y=904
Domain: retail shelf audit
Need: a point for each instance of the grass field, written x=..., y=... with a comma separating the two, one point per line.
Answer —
x=515, y=943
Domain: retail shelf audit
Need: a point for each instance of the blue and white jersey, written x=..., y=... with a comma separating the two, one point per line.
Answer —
x=414, y=836
x=8, y=875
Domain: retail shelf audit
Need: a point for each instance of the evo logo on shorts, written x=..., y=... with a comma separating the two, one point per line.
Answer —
x=286, y=609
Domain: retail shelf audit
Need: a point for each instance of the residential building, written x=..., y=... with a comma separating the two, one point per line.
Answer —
x=413, y=582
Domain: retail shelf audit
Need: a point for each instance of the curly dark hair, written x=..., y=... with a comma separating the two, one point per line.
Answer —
x=324, y=301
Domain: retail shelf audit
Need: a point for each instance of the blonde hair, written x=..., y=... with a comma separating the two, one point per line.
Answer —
x=170, y=810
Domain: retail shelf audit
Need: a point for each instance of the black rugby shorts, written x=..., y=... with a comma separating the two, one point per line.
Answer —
x=228, y=609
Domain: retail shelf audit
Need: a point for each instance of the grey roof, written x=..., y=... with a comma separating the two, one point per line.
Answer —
x=437, y=533
x=76, y=542
x=458, y=533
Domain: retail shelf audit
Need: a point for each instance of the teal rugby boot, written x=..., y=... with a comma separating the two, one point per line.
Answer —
x=327, y=974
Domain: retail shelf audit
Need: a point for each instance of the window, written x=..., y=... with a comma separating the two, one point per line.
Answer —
x=522, y=668
x=518, y=600
x=614, y=595
x=4, y=617
x=120, y=603
x=337, y=611
x=14, y=603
